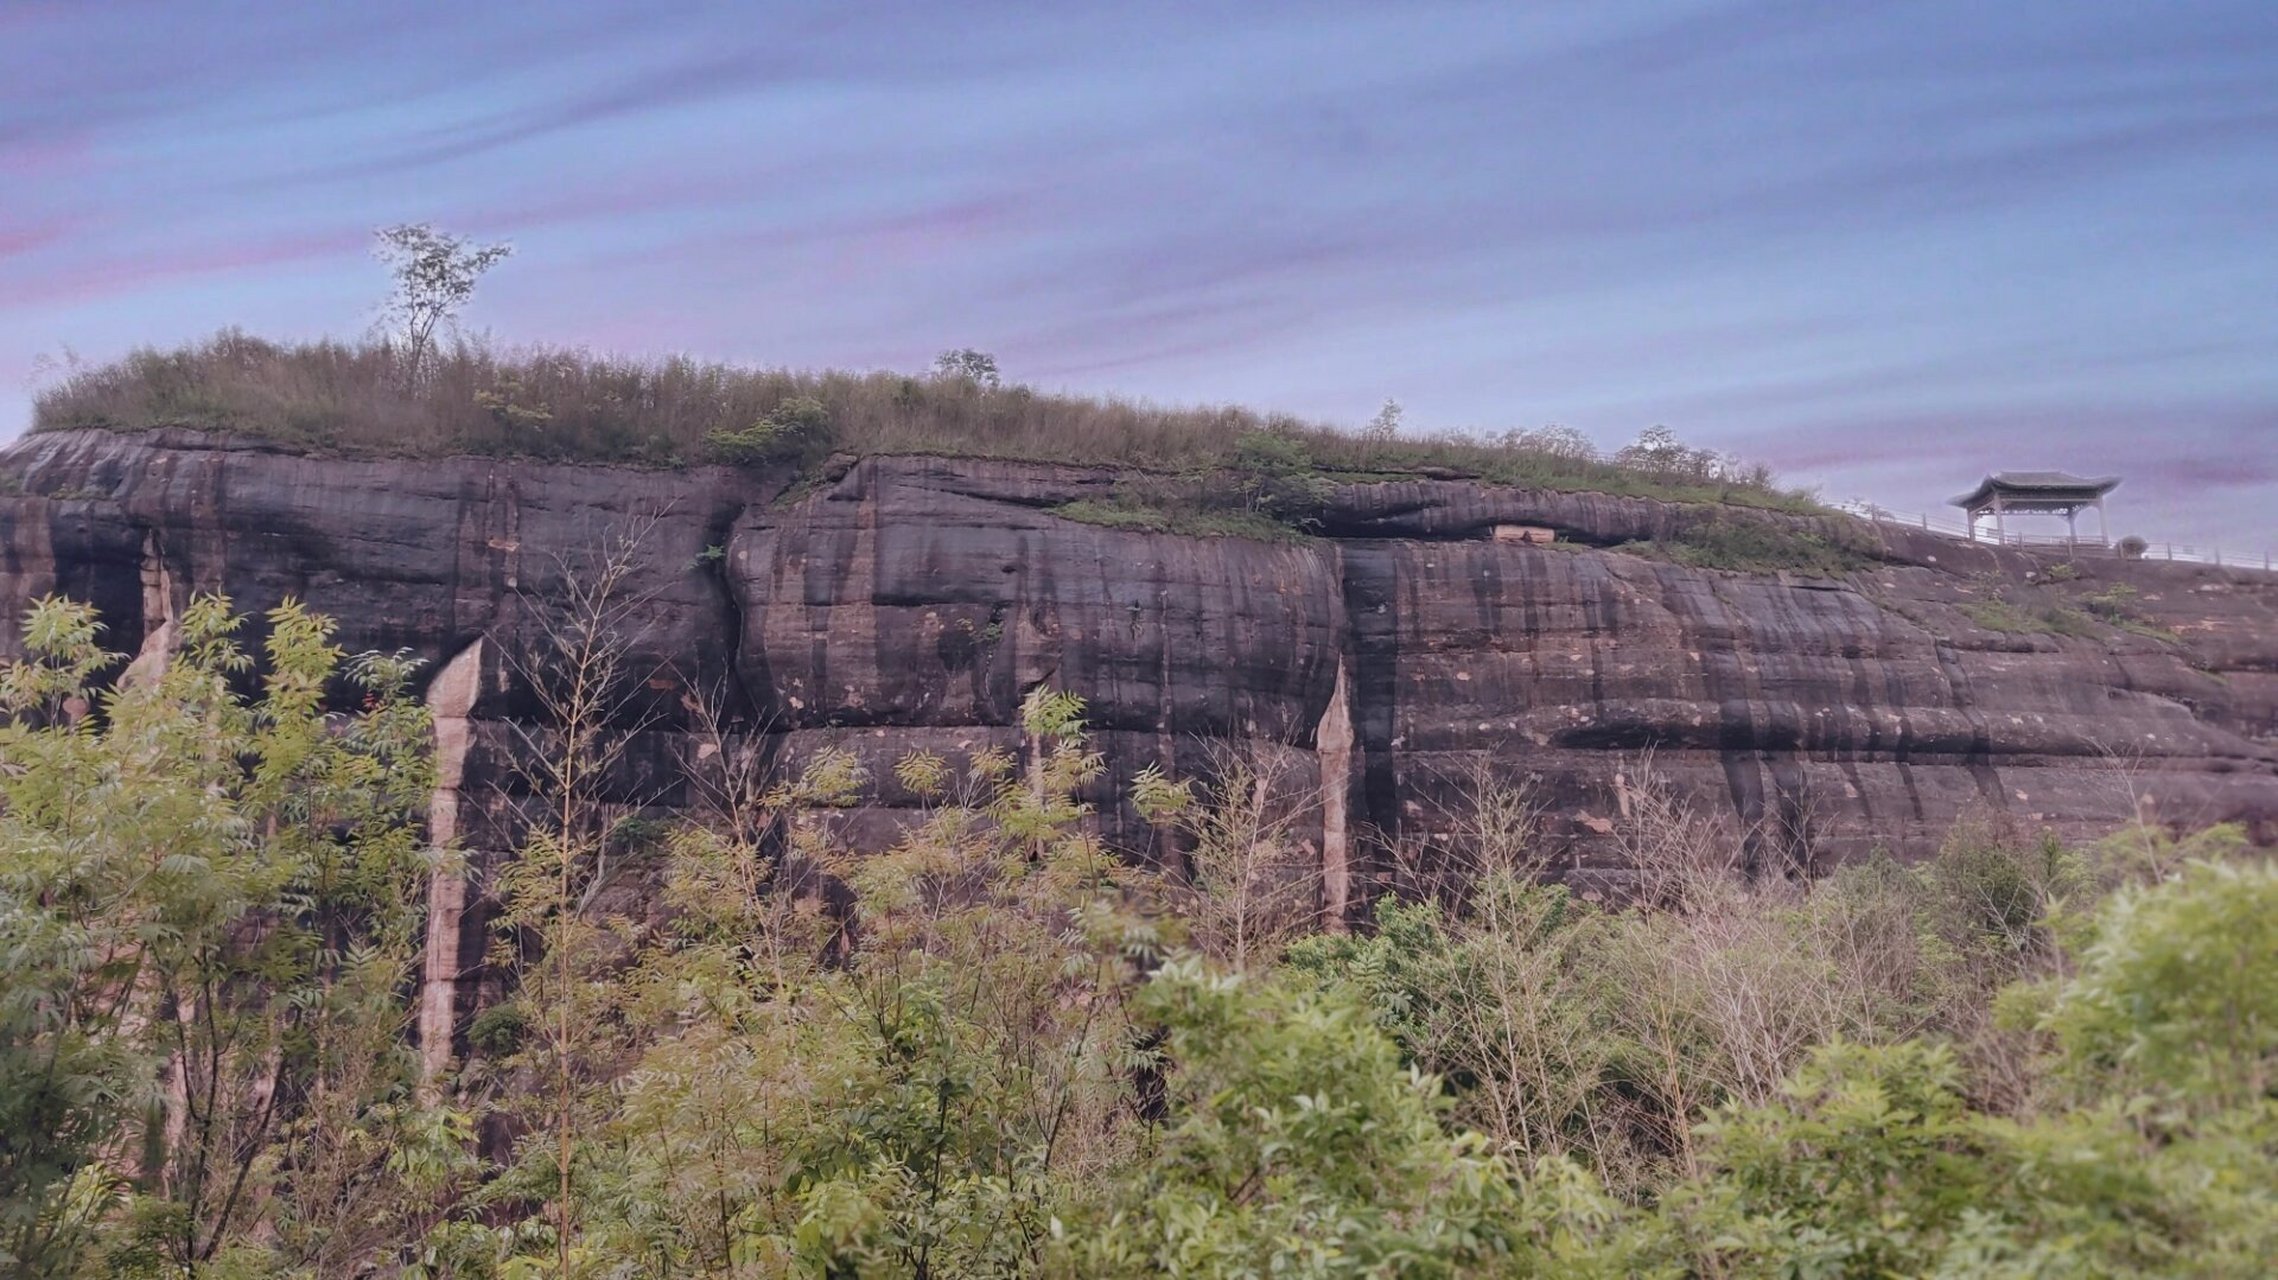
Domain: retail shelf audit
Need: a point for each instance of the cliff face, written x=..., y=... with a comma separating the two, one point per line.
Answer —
x=911, y=602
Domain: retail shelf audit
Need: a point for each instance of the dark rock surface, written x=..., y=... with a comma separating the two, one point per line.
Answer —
x=911, y=602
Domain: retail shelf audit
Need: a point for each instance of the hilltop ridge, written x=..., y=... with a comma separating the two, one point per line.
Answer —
x=358, y=399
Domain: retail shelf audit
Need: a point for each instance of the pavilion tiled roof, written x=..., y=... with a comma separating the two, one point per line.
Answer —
x=2037, y=483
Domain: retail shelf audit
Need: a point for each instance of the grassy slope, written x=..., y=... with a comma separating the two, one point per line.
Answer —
x=353, y=398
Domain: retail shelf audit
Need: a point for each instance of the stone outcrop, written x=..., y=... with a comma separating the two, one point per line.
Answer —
x=909, y=602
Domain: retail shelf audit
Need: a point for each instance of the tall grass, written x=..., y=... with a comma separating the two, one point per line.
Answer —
x=569, y=404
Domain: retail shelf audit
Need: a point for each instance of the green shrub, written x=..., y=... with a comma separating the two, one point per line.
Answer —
x=498, y=1032
x=1186, y=521
x=1296, y=1144
x=2013, y=619
x=798, y=429
x=1868, y=1164
x=1750, y=545
x=2177, y=993
x=1115, y=515
x=1276, y=475
x=2116, y=606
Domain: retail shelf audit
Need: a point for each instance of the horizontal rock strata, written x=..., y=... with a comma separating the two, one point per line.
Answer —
x=909, y=602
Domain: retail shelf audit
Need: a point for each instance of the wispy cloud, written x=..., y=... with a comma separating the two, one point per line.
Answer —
x=112, y=275
x=1848, y=237
x=692, y=82
x=32, y=236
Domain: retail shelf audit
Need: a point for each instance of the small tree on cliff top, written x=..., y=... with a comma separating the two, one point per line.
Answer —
x=435, y=274
x=968, y=365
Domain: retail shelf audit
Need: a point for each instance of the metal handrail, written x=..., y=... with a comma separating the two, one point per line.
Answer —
x=1960, y=532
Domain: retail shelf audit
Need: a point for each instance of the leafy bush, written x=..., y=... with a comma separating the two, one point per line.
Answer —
x=2175, y=998
x=798, y=429
x=498, y=1031
x=1295, y=1143
x=209, y=910
x=1276, y=475
x=1868, y=1164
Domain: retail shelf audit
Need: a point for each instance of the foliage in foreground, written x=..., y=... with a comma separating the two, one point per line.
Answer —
x=208, y=909
x=1007, y=1057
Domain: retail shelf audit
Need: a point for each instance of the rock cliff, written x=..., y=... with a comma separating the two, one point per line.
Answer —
x=910, y=602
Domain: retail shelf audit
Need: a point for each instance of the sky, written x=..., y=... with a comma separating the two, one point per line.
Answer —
x=1884, y=247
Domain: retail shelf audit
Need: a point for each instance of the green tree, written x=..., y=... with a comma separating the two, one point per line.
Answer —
x=911, y=1087
x=1503, y=1001
x=2176, y=997
x=1868, y=1164
x=1384, y=428
x=964, y=364
x=435, y=277
x=1296, y=1143
x=210, y=909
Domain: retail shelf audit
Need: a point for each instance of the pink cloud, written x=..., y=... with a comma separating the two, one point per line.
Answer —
x=127, y=274
x=901, y=239
x=18, y=240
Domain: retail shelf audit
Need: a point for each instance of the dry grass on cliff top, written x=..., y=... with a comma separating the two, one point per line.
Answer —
x=575, y=405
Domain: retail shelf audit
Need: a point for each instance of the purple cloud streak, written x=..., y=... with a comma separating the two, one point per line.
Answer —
x=1884, y=248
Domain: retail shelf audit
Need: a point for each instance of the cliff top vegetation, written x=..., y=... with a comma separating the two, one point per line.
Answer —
x=472, y=397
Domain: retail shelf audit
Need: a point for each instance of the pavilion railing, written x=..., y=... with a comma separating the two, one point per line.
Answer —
x=2088, y=546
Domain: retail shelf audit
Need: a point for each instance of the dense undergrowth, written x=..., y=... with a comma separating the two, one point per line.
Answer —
x=1754, y=545
x=1016, y=1054
x=565, y=404
x=2054, y=610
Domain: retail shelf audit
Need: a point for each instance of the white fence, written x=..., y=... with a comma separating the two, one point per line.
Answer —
x=2088, y=546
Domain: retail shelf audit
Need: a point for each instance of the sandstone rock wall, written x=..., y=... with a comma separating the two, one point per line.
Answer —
x=911, y=602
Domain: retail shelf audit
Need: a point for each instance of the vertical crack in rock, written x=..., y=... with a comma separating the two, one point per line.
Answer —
x=1370, y=575
x=157, y=648
x=450, y=699
x=1334, y=743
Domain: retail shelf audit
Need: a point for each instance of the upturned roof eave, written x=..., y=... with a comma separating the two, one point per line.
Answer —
x=2086, y=488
